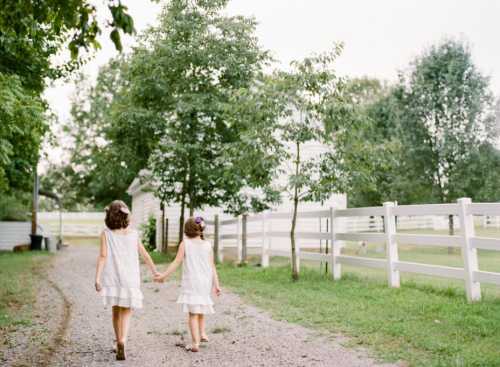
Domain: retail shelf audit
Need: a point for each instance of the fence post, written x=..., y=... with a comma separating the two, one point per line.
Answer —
x=336, y=266
x=391, y=245
x=265, y=240
x=238, y=239
x=244, y=239
x=217, y=255
x=469, y=254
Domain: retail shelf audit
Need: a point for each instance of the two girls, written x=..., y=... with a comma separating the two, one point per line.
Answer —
x=118, y=274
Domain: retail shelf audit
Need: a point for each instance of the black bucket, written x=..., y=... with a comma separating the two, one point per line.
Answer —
x=36, y=242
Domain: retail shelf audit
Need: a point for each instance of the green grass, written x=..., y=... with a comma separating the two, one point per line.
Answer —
x=161, y=258
x=18, y=278
x=418, y=323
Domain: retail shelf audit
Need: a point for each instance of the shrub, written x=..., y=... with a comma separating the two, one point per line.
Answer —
x=13, y=209
x=148, y=231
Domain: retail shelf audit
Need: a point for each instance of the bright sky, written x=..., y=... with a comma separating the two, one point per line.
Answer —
x=381, y=37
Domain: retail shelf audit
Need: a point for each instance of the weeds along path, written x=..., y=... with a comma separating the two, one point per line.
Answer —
x=240, y=335
x=34, y=343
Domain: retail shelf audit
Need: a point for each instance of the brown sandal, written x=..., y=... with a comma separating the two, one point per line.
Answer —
x=120, y=351
x=204, y=340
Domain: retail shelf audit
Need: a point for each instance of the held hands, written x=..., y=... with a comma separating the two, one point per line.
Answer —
x=159, y=277
x=217, y=290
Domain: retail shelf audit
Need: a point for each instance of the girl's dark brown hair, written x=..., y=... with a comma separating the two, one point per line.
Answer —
x=194, y=227
x=117, y=215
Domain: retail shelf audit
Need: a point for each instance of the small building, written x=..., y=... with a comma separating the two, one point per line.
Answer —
x=145, y=205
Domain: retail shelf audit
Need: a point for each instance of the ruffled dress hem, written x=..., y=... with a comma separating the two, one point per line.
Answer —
x=196, y=304
x=123, y=297
x=122, y=302
x=198, y=309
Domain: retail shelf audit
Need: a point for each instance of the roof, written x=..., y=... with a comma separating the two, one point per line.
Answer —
x=139, y=183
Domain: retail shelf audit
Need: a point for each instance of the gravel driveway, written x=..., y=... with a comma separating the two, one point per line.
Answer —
x=240, y=335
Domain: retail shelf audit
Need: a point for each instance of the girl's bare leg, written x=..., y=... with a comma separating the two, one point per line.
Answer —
x=124, y=323
x=125, y=317
x=116, y=322
x=194, y=328
x=203, y=333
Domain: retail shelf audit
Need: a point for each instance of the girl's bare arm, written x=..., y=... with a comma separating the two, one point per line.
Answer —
x=173, y=265
x=147, y=259
x=101, y=260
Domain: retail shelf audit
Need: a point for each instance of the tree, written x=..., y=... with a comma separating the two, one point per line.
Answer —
x=479, y=177
x=187, y=73
x=31, y=32
x=446, y=113
x=111, y=141
x=377, y=155
x=314, y=111
x=22, y=126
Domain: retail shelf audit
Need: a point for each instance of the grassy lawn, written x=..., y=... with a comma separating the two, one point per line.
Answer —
x=418, y=323
x=18, y=278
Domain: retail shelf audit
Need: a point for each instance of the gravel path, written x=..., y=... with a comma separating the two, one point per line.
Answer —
x=240, y=335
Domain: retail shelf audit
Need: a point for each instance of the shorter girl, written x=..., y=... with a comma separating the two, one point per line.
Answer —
x=199, y=278
x=118, y=262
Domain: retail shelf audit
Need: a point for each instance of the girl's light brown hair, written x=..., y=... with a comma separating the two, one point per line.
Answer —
x=117, y=215
x=194, y=227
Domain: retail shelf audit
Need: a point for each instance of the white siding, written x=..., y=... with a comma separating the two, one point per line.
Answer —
x=13, y=234
x=17, y=233
x=144, y=204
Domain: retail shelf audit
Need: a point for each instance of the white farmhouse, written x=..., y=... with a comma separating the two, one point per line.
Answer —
x=145, y=204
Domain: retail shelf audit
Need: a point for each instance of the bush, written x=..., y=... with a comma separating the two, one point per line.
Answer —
x=13, y=209
x=148, y=231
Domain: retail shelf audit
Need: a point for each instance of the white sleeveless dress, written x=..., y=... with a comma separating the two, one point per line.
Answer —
x=197, y=276
x=121, y=279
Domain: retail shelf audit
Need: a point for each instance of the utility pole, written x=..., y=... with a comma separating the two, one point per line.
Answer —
x=34, y=207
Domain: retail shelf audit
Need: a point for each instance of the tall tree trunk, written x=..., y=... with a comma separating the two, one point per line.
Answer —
x=191, y=210
x=326, y=249
x=34, y=204
x=164, y=243
x=181, y=219
x=295, y=272
x=451, y=231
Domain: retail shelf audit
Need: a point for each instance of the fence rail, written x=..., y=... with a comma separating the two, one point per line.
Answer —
x=467, y=241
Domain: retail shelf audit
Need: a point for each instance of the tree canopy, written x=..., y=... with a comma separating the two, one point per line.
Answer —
x=425, y=130
x=31, y=32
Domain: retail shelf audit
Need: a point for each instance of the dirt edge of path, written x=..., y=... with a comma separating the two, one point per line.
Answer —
x=57, y=338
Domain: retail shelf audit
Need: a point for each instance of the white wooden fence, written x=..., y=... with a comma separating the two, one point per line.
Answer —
x=74, y=224
x=467, y=241
x=491, y=221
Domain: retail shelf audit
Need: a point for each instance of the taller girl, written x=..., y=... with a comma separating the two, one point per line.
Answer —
x=199, y=279
x=118, y=266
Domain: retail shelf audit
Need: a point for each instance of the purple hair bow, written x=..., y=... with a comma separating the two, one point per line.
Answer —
x=198, y=220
